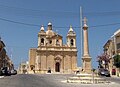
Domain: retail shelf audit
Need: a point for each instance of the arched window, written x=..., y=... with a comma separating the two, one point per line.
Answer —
x=71, y=42
x=50, y=41
x=42, y=41
x=57, y=42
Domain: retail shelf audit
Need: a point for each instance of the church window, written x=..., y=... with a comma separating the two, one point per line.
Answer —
x=57, y=42
x=71, y=42
x=50, y=41
x=42, y=41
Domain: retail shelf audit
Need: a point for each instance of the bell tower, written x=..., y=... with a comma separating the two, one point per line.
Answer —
x=41, y=37
x=71, y=38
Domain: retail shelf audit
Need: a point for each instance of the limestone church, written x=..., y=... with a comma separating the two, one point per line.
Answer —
x=51, y=54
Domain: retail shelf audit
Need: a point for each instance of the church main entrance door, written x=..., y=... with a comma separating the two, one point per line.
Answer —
x=57, y=67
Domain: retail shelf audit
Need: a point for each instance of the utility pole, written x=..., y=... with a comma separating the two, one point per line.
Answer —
x=81, y=30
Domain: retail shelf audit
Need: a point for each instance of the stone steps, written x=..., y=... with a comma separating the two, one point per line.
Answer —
x=86, y=79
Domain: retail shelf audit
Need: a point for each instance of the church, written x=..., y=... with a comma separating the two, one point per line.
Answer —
x=51, y=55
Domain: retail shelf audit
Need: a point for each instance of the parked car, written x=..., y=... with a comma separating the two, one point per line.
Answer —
x=0, y=72
x=104, y=72
x=5, y=71
x=13, y=72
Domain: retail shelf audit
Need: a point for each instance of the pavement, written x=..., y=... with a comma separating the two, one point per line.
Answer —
x=45, y=80
x=1, y=76
x=59, y=80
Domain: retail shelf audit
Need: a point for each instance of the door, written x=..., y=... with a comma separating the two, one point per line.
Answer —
x=57, y=67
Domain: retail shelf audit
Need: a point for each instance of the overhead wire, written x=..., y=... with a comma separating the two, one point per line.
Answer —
x=105, y=25
x=86, y=13
x=28, y=24
x=3, y=19
x=39, y=12
x=45, y=13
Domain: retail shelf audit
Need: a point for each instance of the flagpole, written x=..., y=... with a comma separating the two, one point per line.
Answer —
x=81, y=30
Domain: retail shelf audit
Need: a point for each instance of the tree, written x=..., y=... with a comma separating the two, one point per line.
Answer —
x=103, y=58
x=117, y=61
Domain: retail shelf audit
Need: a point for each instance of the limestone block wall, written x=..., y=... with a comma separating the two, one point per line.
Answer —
x=32, y=57
x=67, y=64
x=50, y=62
x=43, y=62
x=74, y=63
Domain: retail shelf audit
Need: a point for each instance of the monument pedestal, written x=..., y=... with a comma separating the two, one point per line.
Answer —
x=87, y=64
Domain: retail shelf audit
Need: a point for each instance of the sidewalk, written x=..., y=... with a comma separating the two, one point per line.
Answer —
x=115, y=76
x=1, y=76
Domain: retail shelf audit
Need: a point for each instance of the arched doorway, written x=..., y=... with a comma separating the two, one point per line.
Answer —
x=57, y=67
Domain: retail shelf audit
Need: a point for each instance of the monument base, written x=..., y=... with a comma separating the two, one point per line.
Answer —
x=87, y=68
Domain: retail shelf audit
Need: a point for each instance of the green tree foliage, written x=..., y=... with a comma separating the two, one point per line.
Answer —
x=117, y=61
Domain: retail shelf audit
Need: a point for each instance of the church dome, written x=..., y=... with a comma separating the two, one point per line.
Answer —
x=50, y=33
x=49, y=24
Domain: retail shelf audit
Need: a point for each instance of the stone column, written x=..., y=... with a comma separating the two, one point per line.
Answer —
x=85, y=37
x=86, y=56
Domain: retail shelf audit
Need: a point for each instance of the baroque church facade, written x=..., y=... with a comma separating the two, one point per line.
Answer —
x=52, y=55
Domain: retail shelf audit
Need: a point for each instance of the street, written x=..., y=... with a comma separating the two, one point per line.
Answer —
x=113, y=79
x=47, y=80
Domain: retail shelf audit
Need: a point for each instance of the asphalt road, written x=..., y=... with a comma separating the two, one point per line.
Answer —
x=47, y=80
x=25, y=80
x=113, y=79
x=29, y=80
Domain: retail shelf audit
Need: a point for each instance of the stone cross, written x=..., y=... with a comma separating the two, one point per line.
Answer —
x=85, y=20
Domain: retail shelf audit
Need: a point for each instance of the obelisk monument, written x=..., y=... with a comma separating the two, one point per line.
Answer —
x=86, y=56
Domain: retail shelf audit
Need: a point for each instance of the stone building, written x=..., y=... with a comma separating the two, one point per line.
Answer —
x=51, y=55
x=23, y=67
x=112, y=48
x=5, y=61
x=2, y=53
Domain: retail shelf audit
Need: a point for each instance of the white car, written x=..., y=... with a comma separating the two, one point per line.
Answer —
x=13, y=72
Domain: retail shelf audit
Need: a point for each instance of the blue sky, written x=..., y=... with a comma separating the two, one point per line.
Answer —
x=19, y=38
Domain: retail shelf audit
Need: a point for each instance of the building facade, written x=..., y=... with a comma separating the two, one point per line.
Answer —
x=5, y=61
x=112, y=48
x=23, y=67
x=51, y=55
